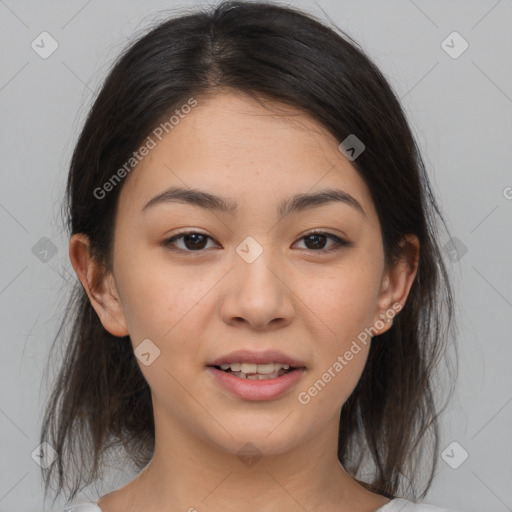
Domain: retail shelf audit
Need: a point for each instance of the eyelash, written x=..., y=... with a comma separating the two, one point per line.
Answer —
x=340, y=243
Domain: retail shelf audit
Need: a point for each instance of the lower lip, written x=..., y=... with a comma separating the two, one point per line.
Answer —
x=268, y=389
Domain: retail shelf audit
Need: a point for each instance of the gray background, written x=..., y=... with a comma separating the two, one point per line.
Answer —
x=461, y=112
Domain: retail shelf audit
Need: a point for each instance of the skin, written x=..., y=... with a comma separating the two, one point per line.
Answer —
x=196, y=307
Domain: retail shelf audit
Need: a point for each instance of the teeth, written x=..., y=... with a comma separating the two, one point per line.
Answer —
x=248, y=368
x=262, y=369
x=257, y=376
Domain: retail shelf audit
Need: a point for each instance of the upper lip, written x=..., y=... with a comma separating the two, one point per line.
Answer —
x=262, y=357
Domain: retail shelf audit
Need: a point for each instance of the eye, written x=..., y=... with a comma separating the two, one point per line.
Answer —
x=316, y=242
x=193, y=241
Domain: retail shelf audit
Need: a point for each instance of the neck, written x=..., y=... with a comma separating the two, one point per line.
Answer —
x=192, y=474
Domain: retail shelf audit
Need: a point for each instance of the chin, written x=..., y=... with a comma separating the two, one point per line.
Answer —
x=247, y=442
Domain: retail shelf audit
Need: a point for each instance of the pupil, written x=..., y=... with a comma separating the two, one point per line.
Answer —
x=317, y=240
x=198, y=241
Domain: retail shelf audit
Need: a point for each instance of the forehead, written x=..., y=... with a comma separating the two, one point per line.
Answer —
x=231, y=145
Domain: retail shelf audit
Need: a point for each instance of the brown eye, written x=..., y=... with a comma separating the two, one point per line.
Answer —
x=317, y=241
x=194, y=241
x=190, y=242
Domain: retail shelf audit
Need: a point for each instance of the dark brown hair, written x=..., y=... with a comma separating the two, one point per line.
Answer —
x=100, y=399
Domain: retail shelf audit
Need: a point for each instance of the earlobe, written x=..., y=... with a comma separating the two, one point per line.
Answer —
x=397, y=282
x=99, y=286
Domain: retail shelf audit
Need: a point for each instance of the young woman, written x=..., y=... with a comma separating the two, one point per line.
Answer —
x=262, y=302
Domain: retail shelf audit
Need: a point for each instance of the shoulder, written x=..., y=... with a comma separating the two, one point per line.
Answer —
x=82, y=507
x=403, y=505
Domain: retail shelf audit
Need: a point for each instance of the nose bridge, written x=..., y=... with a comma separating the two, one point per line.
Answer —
x=256, y=266
x=256, y=291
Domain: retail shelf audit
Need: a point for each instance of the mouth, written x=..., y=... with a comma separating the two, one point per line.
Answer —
x=252, y=371
x=256, y=382
x=256, y=375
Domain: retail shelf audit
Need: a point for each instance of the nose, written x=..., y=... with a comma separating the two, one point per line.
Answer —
x=257, y=294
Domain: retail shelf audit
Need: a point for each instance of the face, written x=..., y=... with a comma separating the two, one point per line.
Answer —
x=263, y=273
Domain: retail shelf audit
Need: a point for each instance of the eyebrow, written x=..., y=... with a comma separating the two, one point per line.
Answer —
x=291, y=205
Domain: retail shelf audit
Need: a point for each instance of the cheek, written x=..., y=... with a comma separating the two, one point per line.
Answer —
x=340, y=353
x=156, y=294
x=346, y=300
x=162, y=308
x=346, y=304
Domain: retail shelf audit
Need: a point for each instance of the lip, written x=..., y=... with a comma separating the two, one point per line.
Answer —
x=262, y=357
x=268, y=389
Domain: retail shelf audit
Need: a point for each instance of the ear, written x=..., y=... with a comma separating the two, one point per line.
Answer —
x=396, y=283
x=99, y=286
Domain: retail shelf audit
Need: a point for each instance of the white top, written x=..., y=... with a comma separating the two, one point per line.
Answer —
x=396, y=505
